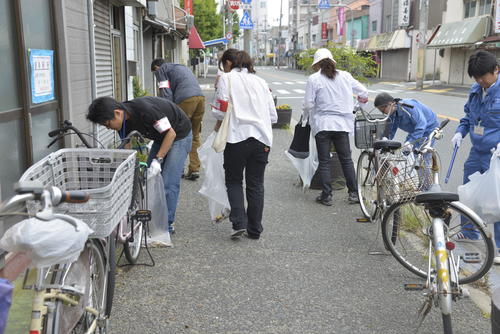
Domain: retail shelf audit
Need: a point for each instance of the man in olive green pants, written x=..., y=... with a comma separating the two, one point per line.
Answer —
x=178, y=84
x=194, y=107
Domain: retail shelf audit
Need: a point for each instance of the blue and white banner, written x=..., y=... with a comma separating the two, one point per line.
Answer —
x=42, y=75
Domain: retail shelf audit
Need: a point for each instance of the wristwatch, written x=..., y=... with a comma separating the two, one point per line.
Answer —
x=160, y=160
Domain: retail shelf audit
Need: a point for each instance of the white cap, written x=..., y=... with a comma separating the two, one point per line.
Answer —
x=321, y=54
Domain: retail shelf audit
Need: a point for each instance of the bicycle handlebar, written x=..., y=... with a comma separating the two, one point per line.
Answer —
x=66, y=126
x=127, y=139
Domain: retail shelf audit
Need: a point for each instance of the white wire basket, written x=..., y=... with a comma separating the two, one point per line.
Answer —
x=107, y=175
x=402, y=179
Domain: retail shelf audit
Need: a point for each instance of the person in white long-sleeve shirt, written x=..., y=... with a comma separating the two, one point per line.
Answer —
x=328, y=107
x=249, y=139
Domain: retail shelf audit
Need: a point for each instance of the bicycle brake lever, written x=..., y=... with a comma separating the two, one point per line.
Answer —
x=53, y=141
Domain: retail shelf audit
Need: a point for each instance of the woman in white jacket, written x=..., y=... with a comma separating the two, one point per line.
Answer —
x=249, y=138
x=328, y=105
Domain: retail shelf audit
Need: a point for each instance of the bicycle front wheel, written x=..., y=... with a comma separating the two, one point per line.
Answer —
x=366, y=172
x=406, y=229
x=134, y=230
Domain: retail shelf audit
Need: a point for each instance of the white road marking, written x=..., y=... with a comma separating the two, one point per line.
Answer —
x=301, y=82
x=300, y=91
x=290, y=83
x=291, y=97
x=276, y=83
x=282, y=91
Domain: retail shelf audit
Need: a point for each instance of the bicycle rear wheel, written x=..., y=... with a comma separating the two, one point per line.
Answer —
x=367, y=185
x=406, y=229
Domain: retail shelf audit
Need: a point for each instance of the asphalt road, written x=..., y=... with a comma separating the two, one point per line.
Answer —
x=309, y=273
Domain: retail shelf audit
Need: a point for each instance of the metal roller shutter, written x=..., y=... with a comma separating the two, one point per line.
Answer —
x=103, y=59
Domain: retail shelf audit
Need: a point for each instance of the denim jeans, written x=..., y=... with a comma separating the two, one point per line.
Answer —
x=171, y=170
x=340, y=140
x=249, y=156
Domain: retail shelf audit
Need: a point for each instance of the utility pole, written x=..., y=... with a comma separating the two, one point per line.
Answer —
x=422, y=32
x=247, y=36
x=309, y=22
x=279, y=35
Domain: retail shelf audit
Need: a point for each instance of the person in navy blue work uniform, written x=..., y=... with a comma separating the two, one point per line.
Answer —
x=418, y=121
x=159, y=120
x=482, y=123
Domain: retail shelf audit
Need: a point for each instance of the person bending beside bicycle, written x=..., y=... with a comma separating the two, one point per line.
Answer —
x=482, y=122
x=411, y=116
x=157, y=119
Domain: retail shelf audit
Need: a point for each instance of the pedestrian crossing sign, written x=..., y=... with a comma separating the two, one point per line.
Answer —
x=324, y=4
x=246, y=21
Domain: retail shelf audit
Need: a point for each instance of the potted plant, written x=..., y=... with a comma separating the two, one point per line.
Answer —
x=284, y=112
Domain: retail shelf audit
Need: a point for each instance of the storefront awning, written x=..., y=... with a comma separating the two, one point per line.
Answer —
x=381, y=42
x=399, y=40
x=135, y=3
x=194, y=39
x=460, y=33
x=363, y=44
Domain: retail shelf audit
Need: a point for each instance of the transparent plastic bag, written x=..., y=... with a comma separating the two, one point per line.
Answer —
x=214, y=184
x=46, y=242
x=482, y=192
x=306, y=167
x=158, y=226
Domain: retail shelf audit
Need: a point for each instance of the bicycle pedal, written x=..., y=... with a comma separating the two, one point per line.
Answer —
x=471, y=257
x=414, y=287
x=143, y=215
x=363, y=220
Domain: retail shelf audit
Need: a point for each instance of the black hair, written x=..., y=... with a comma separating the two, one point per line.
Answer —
x=480, y=63
x=327, y=67
x=157, y=62
x=238, y=59
x=382, y=99
x=102, y=109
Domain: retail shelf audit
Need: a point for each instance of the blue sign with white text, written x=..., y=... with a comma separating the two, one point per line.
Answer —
x=324, y=4
x=246, y=1
x=42, y=75
x=246, y=21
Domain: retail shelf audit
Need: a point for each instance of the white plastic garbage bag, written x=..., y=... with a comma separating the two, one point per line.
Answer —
x=306, y=167
x=46, y=242
x=158, y=226
x=214, y=185
x=482, y=192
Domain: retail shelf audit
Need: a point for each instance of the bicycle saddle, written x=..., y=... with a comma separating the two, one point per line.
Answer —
x=386, y=145
x=436, y=197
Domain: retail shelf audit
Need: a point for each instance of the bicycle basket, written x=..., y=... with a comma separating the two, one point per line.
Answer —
x=401, y=179
x=365, y=132
x=107, y=175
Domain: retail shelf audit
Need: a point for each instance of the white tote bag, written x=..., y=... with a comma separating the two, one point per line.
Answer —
x=220, y=139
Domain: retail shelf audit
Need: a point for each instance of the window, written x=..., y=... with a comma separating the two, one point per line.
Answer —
x=484, y=7
x=374, y=25
x=470, y=9
x=388, y=23
x=263, y=4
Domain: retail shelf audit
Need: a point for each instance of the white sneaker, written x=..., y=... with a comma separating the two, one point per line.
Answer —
x=237, y=233
x=496, y=260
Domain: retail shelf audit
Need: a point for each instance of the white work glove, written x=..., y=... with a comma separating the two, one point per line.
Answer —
x=385, y=138
x=457, y=139
x=155, y=167
x=407, y=148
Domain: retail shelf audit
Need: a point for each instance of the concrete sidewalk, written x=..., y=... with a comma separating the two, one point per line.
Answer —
x=309, y=273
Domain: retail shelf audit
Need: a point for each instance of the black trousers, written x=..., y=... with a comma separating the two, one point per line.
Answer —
x=340, y=140
x=249, y=156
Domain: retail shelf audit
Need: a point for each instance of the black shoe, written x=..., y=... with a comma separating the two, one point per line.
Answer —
x=192, y=176
x=325, y=200
x=252, y=236
x=353, y=198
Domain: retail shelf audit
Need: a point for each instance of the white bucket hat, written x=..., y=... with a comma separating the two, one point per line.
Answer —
x=321, y=54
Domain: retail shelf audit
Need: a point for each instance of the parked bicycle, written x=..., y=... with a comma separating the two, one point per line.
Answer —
x=130, y=232
x=419, y=228
x=79, y=287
